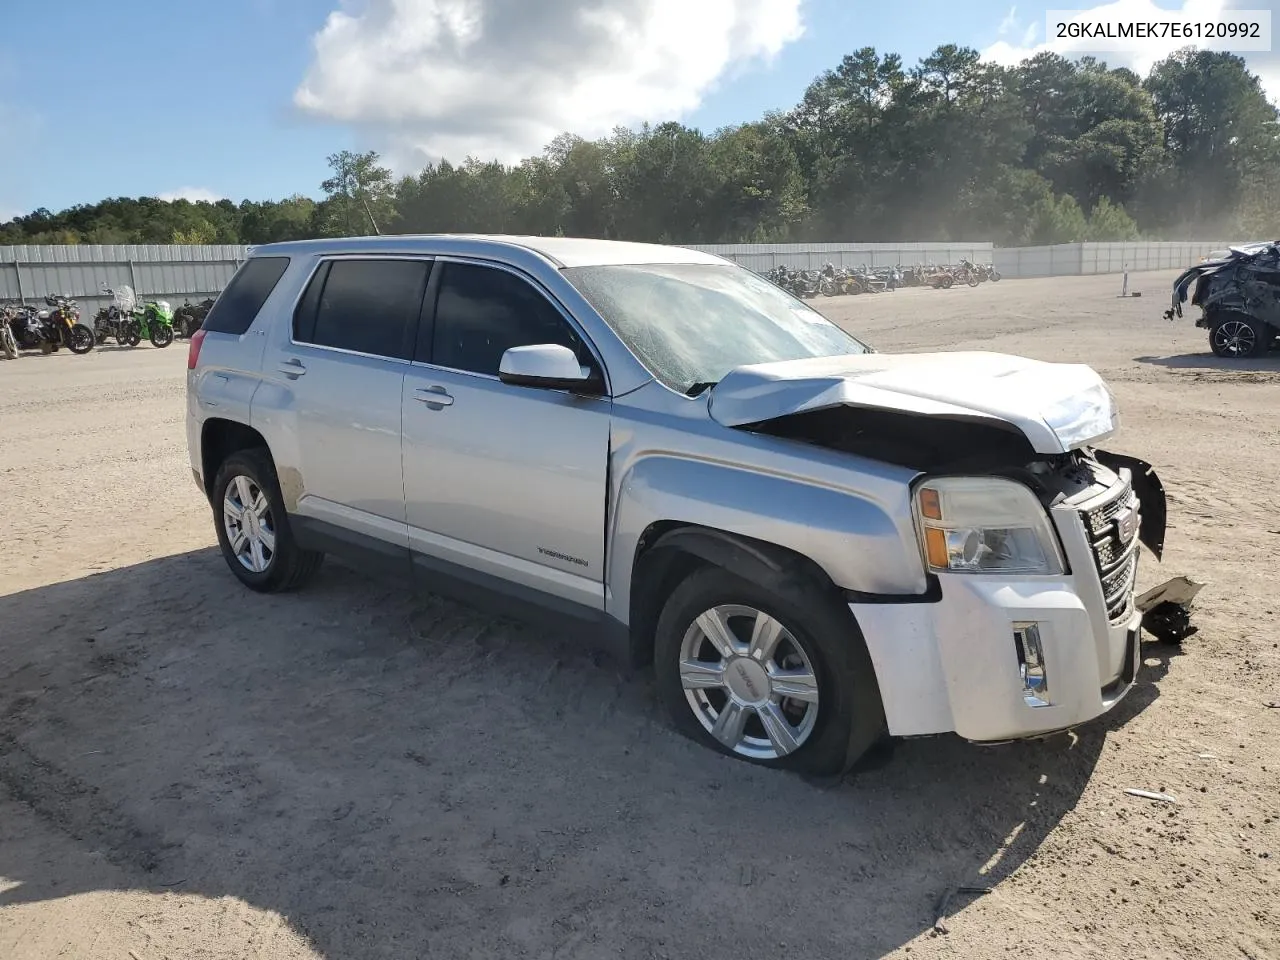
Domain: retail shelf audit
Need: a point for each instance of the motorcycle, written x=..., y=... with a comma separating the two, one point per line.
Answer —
x=152, y=321
x=8, y=345
x=968, y=273
x=188, y=317
x=113, y=319
x=50, y=330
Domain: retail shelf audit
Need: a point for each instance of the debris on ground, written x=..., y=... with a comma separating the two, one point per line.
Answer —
x=940, y=921
x=1149, y=795
x=1166, y=609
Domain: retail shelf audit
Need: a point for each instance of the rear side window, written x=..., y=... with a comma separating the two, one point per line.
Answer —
x=369, y=306
x=235, y=309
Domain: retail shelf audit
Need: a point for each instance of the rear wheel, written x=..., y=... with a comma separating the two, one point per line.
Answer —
x=253, y=528
x=1236, y=336
x=781, y=679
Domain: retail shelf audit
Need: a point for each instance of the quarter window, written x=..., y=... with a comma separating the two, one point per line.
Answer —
x=234, y=311
x=368, y=306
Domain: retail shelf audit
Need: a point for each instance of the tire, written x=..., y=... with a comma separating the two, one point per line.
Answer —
x=242, y=476
x=80, y=339
x=7, y=342
x=1237, y=336
x=995, y=276
x=821, y=738
x=161, y=335
x=972, y=280
x=946, y=282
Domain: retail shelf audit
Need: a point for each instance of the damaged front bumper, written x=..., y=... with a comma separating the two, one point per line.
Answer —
x=1000, y=658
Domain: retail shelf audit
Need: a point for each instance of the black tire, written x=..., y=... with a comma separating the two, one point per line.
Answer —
x=80, y=339
x=995, y=276
x=161, y=335
x=850, y=718
x=290, y=566
x=1237, y=336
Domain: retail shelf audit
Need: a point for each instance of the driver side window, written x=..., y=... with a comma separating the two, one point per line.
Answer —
x=481, y=312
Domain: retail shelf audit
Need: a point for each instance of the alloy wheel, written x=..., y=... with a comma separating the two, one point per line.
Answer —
x=1235, y=338
x=249, y=524
x=749, y=681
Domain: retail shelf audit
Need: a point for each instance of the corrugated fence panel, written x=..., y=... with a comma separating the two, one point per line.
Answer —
x=763, y=257
x=177, y=272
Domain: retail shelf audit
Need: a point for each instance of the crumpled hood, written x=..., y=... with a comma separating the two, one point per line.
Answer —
x=1057, y=406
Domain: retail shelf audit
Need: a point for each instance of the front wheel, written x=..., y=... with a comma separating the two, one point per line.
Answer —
x=7, y=342
x=161, y=335
x=1235, y=336
x=80, y=338
x=781, y=679
x=253, y=529
x=995, y=276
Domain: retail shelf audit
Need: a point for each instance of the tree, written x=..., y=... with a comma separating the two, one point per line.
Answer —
x=359, y=197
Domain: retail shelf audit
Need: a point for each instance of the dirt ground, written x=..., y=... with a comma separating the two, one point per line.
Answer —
x=188, y=770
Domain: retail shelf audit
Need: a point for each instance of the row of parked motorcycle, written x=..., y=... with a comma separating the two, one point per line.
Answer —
x=833, y=281
x=127, y=320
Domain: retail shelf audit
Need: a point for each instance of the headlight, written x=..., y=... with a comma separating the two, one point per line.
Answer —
x=984, y=525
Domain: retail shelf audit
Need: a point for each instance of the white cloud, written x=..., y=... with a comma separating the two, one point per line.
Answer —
x=1265, y=65
x=1009, y=23
x=502, y=78
x=194, y=194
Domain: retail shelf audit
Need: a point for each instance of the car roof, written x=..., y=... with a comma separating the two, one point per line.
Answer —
x=561, y=251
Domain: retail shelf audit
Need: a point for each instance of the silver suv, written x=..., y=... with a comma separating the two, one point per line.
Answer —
x=816, y=545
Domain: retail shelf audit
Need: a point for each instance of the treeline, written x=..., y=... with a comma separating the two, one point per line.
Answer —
x=954, y=148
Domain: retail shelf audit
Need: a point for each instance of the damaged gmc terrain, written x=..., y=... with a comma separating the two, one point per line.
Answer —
x=816, y=545
x=1239, y=299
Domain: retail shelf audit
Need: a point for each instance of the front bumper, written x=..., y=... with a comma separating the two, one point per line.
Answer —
x=954, y=665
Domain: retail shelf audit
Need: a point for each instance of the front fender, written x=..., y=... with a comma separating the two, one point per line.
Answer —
x=862, y=543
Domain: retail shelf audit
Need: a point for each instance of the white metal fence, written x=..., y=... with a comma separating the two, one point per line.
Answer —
x=1086, y=259
x=172, y=272
x=179, y=273
x=763, y=257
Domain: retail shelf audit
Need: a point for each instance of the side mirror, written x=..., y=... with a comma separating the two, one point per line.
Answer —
x=547, y=365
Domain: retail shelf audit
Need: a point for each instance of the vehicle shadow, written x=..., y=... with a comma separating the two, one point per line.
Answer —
x=1208, y=361
x=400, y=775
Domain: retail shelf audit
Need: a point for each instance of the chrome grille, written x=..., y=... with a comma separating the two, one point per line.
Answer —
x=1114, y=553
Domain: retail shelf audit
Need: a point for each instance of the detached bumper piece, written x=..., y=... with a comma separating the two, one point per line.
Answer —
x=1166, y=609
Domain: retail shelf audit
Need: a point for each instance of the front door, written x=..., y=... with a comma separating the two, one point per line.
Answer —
x=507, y=481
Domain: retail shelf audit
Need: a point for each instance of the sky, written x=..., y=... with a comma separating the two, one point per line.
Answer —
x=245, y=98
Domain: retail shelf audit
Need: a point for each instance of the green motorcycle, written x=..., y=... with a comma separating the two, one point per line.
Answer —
x=153, y=320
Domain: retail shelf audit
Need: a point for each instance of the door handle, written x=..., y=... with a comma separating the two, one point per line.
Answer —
x=292, y=368
x=435, y=397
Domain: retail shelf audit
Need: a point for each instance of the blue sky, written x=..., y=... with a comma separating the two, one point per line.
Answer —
x=155, y=97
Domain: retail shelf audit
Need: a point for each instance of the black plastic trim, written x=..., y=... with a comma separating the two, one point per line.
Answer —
x=932, y=594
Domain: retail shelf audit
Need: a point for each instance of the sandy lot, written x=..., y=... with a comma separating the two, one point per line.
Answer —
x=190, y=770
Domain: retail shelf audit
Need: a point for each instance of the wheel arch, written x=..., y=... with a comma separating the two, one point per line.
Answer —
x=668, y=551
x=219, y=439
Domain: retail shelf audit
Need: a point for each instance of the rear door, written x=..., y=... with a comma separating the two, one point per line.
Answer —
x=336, y=377
x=505, y=481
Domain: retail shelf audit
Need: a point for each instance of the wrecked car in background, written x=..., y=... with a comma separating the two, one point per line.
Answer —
x=1239, y=299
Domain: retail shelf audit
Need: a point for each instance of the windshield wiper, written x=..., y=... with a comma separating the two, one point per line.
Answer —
x=702, y=386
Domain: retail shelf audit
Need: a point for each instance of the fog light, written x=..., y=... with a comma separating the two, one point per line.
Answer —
x=1035, y=679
